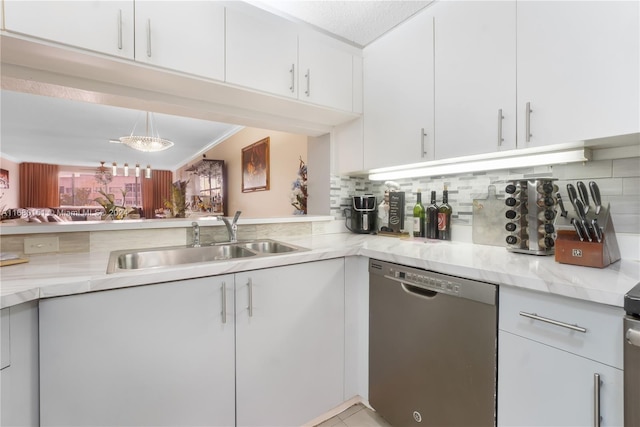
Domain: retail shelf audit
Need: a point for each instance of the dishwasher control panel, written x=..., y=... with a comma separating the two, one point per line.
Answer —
x=428, y=281
x=433, y=281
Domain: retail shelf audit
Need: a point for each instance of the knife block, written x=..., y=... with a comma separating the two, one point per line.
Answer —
x=570, y=250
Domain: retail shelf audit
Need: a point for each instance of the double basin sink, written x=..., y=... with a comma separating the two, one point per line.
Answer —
x=139, y=259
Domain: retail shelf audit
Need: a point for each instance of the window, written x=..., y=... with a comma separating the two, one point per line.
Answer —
x=82, y=188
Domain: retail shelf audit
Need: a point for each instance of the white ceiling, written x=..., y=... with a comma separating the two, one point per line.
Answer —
x=54, y=130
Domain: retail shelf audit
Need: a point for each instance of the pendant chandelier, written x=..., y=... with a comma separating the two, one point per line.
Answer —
x=151, y=142
x=125, y=170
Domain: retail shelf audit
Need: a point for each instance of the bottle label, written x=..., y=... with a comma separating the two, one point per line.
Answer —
x=416, y=225
x=442, y=221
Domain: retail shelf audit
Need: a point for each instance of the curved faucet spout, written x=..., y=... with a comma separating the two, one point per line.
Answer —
x=232, y=227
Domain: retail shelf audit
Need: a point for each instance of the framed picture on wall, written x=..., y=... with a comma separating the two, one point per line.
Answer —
x=4, y=179
x=255, y=166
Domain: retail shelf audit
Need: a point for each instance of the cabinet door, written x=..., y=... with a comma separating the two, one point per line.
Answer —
x=262, y=53
x=475, y=77
x=539, y=385
x=399, y=95
x=325, y=73
x=578, y=67
x=289, y=343
x=102, y=26
x=149, y=355
x=19, y=404
x=185, y=36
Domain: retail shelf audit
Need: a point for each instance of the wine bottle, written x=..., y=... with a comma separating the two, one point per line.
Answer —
x=431, y=218
x=444, y=217
x=418, y=217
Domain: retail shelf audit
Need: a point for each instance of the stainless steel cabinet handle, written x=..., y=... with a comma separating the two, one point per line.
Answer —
x=292, y=71
x=119, y=29
x=500, y=118
x=527, y=115
x=149, y=38
x=224, y=302
x=423, y=152
x=250, y=285
x=534, y=316
x=633, y=337
x=308, y=76
x=596, y=400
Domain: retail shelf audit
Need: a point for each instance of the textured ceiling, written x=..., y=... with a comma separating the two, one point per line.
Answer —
x=358, y=22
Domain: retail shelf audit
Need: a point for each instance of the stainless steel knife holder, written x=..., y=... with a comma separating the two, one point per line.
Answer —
x=571, y=250
x=531, y=229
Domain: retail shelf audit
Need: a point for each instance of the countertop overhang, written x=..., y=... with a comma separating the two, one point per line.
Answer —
x=67, y=274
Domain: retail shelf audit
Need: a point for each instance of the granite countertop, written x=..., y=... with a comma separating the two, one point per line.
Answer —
x=66, y=274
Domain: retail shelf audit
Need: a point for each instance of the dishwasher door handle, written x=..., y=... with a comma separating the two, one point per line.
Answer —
x=418, y=291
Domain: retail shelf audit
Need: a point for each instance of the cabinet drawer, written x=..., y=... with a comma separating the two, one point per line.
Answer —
x=601, y=340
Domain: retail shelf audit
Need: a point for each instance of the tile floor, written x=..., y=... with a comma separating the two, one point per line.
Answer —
x=357, y=415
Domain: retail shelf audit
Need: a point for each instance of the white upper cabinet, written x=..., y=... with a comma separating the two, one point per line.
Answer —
x=578, y=68
x=185, y=36
x=266, y=53
x=326, y=73
x=399, y=95
x=262, y=53
x=475, y=77
x=101, y=26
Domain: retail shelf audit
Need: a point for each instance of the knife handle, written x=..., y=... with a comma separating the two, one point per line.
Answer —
x=573, y=195
x=584, y=195
x=580, y=209
x=587, y=229
x=595, y=195
x=597, y=231
x=578, y=227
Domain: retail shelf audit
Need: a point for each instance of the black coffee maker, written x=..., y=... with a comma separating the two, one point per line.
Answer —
x=362, y=215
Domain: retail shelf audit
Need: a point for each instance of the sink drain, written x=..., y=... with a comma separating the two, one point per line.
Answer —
x=417, y=416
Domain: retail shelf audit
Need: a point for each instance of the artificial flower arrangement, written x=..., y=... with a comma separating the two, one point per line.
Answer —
x=299, y=194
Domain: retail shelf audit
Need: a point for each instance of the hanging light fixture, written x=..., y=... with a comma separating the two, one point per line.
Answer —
x=103, y=175
x=148, y=143
x=147, y=173
x=137, y=170
x=126, y=169
x=114, y=169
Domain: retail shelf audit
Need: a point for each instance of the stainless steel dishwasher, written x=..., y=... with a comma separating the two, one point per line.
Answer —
x=432, y=347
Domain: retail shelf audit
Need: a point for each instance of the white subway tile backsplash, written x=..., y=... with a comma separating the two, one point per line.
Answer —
x=626, y=167
x=619, y=182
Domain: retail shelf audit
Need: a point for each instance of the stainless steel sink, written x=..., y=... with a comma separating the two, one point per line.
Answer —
x=269, y=247
x=139, y=259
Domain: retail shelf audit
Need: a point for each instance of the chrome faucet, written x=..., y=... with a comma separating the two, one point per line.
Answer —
x=232, y=227
x=196, y=234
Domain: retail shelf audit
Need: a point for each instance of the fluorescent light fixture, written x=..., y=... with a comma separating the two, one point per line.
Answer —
x=450, y=167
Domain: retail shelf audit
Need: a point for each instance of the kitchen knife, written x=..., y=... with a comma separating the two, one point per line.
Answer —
x=595, y=195
x=578, y=227
x=584, y=195
x=573, y=196
x=583, y=219
x=563, y=211
x=596, y=230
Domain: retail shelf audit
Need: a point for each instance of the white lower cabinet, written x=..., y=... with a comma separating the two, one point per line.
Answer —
x=539, y=385
x=182, y=353
x=289, y=343
x=555, y=374
x=156, y=355
x=19, y=373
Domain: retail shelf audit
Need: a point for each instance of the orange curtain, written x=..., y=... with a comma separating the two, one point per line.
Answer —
x=155, y=191
x=39, y=185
